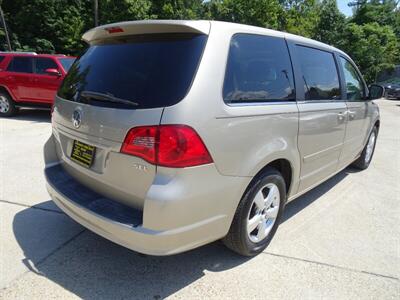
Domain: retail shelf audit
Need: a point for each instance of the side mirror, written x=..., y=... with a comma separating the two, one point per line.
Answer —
x=53, y=72
x=376, y=91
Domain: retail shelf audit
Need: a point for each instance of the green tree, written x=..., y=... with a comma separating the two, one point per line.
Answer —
x=372, y=46
x=301, y=17
x=178, y=9
x=47, y=25
x=331, y=23
x=382, y=12
x=264, y=13
x=111, y=11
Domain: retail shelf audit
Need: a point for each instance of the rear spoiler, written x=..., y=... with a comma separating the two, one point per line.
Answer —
x=145, y=27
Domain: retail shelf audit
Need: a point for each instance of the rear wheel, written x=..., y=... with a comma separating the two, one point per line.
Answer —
x=366, y=155
x=258, y=214
x=7, y=107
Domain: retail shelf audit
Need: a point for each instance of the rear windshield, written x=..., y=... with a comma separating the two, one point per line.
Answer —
x=153, y=70
x=66, y=62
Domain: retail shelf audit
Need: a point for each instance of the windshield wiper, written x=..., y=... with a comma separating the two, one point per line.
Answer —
x=107, y=97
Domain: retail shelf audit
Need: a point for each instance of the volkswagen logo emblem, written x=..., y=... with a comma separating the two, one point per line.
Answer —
x=77, y=118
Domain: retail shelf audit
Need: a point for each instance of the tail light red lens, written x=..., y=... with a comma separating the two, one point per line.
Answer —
x=174, y=146
x=141, y=142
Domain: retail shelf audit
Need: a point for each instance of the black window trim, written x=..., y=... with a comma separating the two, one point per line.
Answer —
x=365, y=89
x=298, y=72
x=259, y=103
x=41, y=74
x=11, y=61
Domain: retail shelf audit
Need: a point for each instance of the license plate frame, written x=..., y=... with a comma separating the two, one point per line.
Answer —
x=83, y=153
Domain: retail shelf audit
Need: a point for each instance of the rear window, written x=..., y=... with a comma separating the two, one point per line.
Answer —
x=66, y=62
x=153, y=70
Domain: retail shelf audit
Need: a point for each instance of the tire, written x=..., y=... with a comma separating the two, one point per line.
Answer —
x=252, y=242
x=368, y=152
x=7, y=106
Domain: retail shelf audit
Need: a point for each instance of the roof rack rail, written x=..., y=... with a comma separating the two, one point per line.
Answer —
x=18, y=52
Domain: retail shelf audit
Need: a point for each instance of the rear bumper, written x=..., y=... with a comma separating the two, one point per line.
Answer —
x=183, y=209
x=122, y=224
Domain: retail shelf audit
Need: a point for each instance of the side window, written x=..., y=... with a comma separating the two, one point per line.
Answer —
x=1, y=58
x=354, y=84
x=258, y=70
x=20, y=64
x=42, y=63
x=320, y=75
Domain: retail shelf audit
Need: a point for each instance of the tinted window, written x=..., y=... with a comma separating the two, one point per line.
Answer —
x=153, y=70
x=258, y=70
x=354, y=84
x=41, y=64
x=66, y=63
x=319, y=72
x=20, y=64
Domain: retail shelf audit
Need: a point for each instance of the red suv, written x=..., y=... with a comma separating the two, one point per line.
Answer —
x=30, y=79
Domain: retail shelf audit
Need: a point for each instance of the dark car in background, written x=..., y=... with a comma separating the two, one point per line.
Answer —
x=392, y=90
x=28, y=79
x=390, y=80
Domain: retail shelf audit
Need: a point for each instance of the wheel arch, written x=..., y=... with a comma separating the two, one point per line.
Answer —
x=377, y=123
x=283, y=166
x=5, y=90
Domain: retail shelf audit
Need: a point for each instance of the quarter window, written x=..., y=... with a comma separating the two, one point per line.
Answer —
x=319, y=72
x=354, y=84
x=258, y=70
x=42, y=63
x=21, y=65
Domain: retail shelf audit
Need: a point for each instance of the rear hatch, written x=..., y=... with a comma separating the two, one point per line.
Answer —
x=118, y=83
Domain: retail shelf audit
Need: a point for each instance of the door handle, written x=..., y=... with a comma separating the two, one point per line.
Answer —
x=352, y=115
x=341, y=116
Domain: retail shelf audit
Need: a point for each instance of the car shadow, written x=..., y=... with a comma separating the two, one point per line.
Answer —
x=91, y=267
x=33, y=115
x=297, y=205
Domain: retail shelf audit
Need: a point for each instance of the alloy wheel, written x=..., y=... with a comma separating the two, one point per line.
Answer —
x=263, y=212
x=4, y=105
x=370, y=147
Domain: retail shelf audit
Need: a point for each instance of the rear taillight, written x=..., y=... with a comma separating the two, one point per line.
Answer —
x=141, y=141
x=175, y=146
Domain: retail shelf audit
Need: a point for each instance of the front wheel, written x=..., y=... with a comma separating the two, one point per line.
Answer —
x=366, y=155
x=258, y=214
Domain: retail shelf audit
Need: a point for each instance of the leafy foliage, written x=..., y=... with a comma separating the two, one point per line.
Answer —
x=371, y=36
x=330, y=25
x=264, y=13
x=374, y=48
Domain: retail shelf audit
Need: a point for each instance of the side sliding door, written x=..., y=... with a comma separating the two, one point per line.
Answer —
x=322, y=113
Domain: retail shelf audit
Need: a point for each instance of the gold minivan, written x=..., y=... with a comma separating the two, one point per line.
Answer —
x=168, y=135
